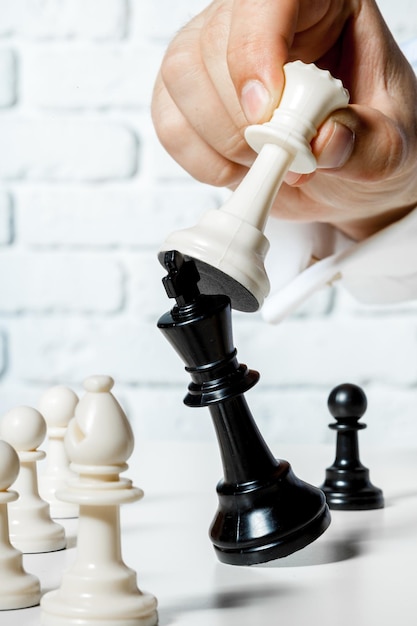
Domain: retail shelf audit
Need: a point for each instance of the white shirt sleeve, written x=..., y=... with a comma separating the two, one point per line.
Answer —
x=305, y=257
x=379, y=270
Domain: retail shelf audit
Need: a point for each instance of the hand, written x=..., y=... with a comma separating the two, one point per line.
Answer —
x=223, y=71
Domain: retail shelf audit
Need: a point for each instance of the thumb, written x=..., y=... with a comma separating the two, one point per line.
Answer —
x=359, y=143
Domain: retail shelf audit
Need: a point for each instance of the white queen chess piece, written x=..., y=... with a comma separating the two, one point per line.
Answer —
x=57, y=405
x=99, y=588
x=228, y=245
x=18, y=589
x=31, y=528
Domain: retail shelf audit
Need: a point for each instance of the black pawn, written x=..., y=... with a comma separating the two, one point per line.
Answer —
x=347, y=485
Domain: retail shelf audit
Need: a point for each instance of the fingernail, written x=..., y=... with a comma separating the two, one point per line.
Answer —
x=255, y=101
x=338, y=148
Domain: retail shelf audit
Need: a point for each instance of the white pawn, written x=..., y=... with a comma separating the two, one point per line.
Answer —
x=99, y=588
x=57, y=405
x=31, y=527
x=18, y=589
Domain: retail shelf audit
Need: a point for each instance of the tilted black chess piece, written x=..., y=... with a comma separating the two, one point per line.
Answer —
x=347, y=485
x=265, y=512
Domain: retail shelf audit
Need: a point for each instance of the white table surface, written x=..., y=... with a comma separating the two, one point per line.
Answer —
x=360, y=572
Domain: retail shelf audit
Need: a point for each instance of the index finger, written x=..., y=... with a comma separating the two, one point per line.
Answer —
x=261, y=34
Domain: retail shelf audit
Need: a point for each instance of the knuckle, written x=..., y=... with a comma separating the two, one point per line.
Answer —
x=215, y=34
x=169, y=128
x=393, y=152
x=180, y=57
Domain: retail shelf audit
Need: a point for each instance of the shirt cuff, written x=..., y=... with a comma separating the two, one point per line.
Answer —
x=303, y=258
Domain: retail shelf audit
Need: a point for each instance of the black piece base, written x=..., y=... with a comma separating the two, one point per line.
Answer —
x=260, y=522
x=281, y=547
x=213, y=282
x=361, y=499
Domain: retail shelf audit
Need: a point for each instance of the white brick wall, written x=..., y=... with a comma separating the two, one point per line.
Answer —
x=6, y=229
x=98, y=77
x=66, y=148
x=64, y=19
x=7, y=78
x=86, y=197
x=56, y=282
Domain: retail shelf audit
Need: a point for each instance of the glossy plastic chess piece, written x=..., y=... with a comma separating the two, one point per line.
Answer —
x=265, y=512
x=18, y=589
x=99, y=588
x=228, y=245
x=57, y=405
x=31, y=528
x=347, y=485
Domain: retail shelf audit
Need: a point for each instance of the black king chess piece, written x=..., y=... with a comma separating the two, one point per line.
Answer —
x=265, y=512
x=347, y=485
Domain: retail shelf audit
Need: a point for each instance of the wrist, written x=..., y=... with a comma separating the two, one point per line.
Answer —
x=360, y=229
